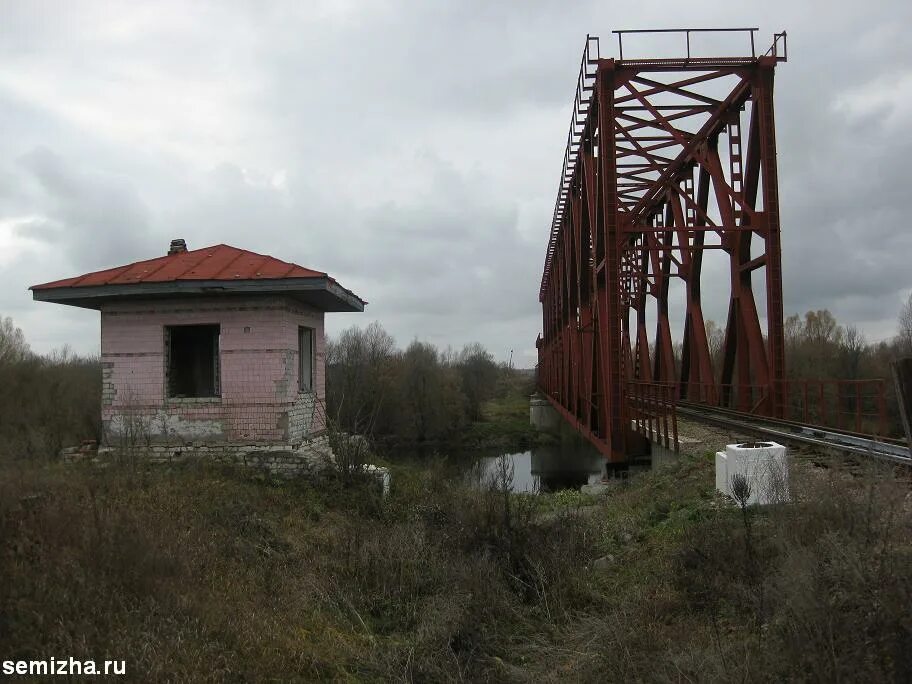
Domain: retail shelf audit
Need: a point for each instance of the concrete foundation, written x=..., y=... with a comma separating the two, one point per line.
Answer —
x=763, y=465
x=308, y=458
x=660, y=455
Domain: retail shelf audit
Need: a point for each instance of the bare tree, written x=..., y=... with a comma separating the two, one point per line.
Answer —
x=13, y=347
x=431, y=404
x=715, y=338
x=358, y=366
x=821, y=328
x=478, y=374
x=814, y=346
x=905, y=328
x=794, y=331
x=853, y=350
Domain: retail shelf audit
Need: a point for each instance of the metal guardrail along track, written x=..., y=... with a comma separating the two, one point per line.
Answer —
x=784, y=430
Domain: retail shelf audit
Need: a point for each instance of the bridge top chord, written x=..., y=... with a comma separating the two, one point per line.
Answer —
x=585, y=88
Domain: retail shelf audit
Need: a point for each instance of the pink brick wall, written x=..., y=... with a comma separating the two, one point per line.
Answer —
x=258, y=349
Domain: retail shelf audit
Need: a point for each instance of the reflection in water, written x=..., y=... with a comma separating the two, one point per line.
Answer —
x=547, y=468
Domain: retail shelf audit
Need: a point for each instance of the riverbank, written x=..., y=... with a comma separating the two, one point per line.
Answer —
x=504, y=425
x=207, y=573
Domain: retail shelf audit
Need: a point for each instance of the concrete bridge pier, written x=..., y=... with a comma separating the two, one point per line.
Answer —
x=659, y=454
x=646, y=450
x=543, y=416
x=570, y=456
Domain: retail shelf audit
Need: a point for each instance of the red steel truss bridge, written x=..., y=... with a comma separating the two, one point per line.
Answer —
x=671, y=164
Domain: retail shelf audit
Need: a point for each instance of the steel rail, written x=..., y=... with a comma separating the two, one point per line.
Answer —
x=847, y=442
x=794, y=424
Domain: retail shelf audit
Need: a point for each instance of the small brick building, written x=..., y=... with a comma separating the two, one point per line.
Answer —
x=214, y=345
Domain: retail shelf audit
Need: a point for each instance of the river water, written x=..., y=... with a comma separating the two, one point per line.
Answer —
x=569, y=464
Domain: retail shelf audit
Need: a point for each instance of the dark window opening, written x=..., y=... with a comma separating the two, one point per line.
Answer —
x=193, y=360
x=306, y=358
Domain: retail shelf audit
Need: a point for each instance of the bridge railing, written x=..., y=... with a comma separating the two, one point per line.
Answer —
x=854, y=405
x=778, y=50
x=685, y=34
x=585, y=87
x=652, y=411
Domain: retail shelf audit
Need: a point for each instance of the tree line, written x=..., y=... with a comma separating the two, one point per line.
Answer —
x=419, y=395
x=412, y=396
x=817, y=346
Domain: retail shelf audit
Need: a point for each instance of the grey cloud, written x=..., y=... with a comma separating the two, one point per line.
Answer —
x=410, y=149
x=39, y=229
x=102, y=218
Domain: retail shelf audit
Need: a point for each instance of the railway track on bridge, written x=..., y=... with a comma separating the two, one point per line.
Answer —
x=788, y=431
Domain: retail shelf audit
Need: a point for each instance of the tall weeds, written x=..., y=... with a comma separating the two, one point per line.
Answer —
x=198, y=572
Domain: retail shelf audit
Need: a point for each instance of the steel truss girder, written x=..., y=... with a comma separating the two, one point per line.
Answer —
x=648, y=191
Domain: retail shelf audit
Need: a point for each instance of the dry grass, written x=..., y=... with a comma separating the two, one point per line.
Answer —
x=211, y=574
x=202, y=573
x=815, y=591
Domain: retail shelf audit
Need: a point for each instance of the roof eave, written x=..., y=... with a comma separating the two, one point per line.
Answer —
x=322, y=292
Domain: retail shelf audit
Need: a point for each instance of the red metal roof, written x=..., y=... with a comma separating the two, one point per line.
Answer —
x=219, y=262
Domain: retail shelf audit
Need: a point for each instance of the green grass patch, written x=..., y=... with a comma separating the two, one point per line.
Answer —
x=504, y=425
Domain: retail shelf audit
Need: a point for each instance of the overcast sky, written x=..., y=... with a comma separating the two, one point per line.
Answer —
x=410, y=149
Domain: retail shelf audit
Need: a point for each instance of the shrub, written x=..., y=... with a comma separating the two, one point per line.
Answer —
x=47, y=403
